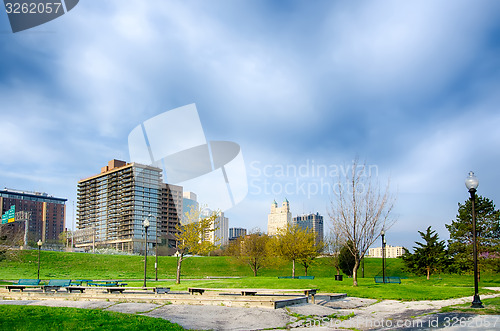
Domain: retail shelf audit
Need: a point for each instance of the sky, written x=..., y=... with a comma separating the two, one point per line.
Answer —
x=411, y=88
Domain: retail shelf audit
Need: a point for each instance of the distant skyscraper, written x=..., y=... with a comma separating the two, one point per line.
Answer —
x=279, y=218
x=189, y=202
x=235, y=233
x=220, y=236
x=311, y=222
x=46, y=214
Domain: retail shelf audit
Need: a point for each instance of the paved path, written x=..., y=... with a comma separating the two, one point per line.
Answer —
x=368, y=314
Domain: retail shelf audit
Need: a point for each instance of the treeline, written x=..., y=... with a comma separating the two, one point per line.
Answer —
x=293, y=244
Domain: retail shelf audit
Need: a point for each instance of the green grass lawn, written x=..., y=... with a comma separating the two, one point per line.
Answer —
x=417, y=288
x=97, y=266
x=491, y=307
x=14, y=317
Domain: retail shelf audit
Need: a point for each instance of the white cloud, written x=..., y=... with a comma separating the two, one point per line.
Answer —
x=407, y=75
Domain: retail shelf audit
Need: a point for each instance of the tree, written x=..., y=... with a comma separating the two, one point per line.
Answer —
x=429, y=257
x=346, y=259
x=191, y=236
x=11, y=234
x=65, y=238
x=487, y=233
x=333, y=244
x=360, y=210
x=252, y=250
x=297, y=245
x=310, y=256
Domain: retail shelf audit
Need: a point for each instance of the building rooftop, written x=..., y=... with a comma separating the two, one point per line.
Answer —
x=30, y=194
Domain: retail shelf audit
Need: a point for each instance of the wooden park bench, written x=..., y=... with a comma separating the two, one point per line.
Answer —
x=24, y=283
x=388, y=279
x=56, y=284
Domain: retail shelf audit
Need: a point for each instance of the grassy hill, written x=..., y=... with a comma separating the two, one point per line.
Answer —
x=98, y=266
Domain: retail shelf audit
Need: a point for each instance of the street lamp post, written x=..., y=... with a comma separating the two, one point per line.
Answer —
x=39, y=243
x=146, y=226
x=383, y=255
x=472, y=183
x=156, y=245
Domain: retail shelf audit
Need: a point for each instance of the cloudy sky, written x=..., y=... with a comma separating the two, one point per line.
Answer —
x=412, y=87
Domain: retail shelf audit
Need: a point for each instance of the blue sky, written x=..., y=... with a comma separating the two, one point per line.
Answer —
x=412, y=87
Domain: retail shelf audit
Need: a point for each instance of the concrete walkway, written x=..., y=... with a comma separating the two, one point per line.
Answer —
x=368, y=314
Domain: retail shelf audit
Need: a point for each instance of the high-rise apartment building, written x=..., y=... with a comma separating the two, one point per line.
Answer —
x=112, y=207
x=311, y=222
x=279, y=217
x=235, y=233
x=45, y=214
x=170, y=215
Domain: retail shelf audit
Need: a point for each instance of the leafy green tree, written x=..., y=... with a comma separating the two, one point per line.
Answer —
x=429, y=257
x=191, y=237
x=487, y=233
x=346, y=259
x=297, y=245
x=252, y=250
x=308, y=259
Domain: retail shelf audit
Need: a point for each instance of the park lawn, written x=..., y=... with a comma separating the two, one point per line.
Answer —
x=491, y=307
x=195, y=270
x=409, y=290
x=65, y=265
x=13, y=317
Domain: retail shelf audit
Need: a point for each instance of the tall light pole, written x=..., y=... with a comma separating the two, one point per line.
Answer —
x=39, y=243
x=146, y=226
x=472, y=183
x=383, y=255
x=156, y=245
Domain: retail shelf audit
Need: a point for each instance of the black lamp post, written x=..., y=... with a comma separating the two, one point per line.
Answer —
x=39, y=243
x=472, y=183
x=156, y=245
x=146, y=226
x=383, y=255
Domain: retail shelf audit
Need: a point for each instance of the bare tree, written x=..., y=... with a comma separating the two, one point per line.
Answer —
x=333, y=244
x=360, y=210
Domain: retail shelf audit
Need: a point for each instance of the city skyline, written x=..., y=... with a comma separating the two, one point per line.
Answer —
x=409, y=87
